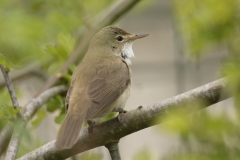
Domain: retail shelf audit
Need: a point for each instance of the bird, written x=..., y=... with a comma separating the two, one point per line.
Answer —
x=100, y=84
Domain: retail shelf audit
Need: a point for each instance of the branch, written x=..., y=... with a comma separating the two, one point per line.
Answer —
x=10, y=87
x=32, y=107
x=5, y=137
x=110, y=16
x=133, y=121
x=113, y=150
x=14, y=143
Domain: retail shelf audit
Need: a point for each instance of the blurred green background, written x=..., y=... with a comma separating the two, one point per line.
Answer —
x=192, y=43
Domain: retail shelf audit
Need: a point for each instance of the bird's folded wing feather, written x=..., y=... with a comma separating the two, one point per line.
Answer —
x=105, y=87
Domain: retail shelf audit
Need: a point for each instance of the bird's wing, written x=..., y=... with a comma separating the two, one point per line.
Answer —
x=106, y=86
x=68, y=95
x=78, y=102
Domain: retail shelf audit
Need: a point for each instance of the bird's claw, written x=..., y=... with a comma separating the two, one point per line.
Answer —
x=91, y=124
x=120, y=110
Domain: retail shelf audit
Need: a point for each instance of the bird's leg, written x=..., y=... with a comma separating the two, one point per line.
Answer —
x=91, y=124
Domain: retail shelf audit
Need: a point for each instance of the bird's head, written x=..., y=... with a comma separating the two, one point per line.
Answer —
x=117, y=41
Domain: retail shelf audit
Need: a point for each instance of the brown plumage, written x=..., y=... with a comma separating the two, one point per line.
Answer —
x=100, y=84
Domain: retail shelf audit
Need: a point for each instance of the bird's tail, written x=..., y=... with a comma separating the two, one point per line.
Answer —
x=69, y=131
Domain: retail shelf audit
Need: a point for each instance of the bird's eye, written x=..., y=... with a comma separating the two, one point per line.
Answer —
x=119, y=38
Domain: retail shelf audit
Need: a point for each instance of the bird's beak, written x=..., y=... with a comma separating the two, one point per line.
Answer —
x=138, y=36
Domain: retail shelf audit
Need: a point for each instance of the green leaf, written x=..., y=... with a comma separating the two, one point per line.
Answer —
x=28, y=143
x=40, y=115
x=55, y=103
x=7, y=112
x=63, y=48
x=66, y=41
x=60, y=118
x=5, y=62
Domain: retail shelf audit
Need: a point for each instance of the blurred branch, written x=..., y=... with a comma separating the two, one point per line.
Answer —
x=110, y=16
x=10, y=87
x=113, y=150
x=135, y=120
x=13, y=145
x=14, y=142
x=32, y=107
x=27, y=112
x=5, y=136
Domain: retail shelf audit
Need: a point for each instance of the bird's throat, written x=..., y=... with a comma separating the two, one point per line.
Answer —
x=127, y=52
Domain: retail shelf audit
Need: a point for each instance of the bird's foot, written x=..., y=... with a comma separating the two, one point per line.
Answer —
x=91, y=124
x=120, y=110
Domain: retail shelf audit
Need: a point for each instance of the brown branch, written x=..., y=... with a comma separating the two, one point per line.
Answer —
x=110, y=16
x=10, y=87
x=14, y=142
x=113, y=150
x=13, y=145
x=133, y=121
x=5, y=137
x=32, y=107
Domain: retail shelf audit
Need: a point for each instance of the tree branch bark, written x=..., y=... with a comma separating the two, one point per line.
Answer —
x=5, y=137
x=10, y=87
x=14, y=142
x=13, y=145
x=32, y=107
x=135, y=120
x=113, y=150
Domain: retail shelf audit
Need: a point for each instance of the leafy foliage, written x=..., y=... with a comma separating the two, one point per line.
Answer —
x=204, y=136
x=28, y=143
x=40, y=115
x=205, y=25
x=31, y=27
x=7, y=113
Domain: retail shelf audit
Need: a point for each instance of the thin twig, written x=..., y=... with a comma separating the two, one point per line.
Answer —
x=112, y=14
x=14, y=142
x=135, y=120
x=113, y=150
x=10, y=87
